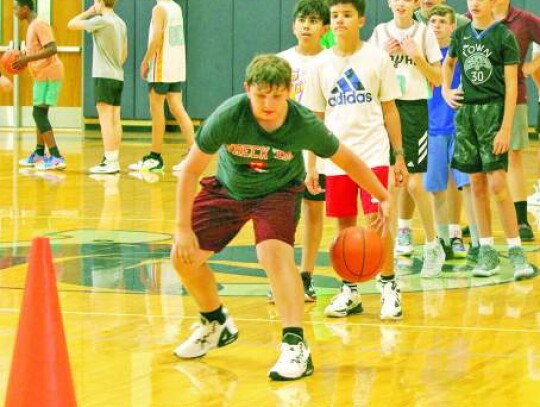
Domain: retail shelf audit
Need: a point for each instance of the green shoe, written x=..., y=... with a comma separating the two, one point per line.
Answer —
x=472, y=254
x=518, y=260
x=488, y=262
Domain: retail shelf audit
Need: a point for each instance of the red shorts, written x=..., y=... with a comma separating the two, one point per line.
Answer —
x=217, y=217
x=342, y=195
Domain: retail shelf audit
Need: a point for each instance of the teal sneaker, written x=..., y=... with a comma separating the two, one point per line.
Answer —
x=518, y=260
x=488, y=262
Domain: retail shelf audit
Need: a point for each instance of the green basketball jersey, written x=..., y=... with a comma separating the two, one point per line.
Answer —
x=254, y=162
x=483, y=56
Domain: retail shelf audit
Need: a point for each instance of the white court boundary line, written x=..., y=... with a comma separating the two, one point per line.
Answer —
x=394, y=324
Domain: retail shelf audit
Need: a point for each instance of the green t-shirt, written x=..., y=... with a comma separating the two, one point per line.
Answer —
x=482, y=57
x=461, y=20
x=253, y=162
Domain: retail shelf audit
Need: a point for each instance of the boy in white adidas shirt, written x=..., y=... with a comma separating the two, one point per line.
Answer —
x=352, y=86
x=415, y=53
x=311, y=20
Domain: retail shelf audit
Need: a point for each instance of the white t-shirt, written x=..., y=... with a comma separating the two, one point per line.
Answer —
x=413, y=83
x=349, y=90
x=300, y=66
x=168, y=65
x=536, y=50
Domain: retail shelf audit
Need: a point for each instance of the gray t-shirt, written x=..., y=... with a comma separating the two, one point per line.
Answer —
x=109, y=32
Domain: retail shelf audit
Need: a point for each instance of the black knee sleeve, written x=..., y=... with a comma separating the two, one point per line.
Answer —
x=41, y=117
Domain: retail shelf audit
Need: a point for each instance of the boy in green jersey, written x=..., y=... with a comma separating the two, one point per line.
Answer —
x=259, y=137
x=489, y=56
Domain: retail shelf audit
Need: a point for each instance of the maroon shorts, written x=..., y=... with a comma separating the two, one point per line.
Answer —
x=217, y=217
x=342, y=195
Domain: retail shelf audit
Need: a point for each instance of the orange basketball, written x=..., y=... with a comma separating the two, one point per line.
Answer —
x=7, y=61
x=357, y=254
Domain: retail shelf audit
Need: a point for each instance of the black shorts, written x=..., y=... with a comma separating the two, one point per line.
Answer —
x=414, y=125
x=319, y=197
x=108, y=91
x=162, y=88
x=476, y=128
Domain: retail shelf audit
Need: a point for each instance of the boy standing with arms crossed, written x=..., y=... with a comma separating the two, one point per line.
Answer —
x=416, y=56
x=311, y=19
x=164, y=68
x=489, y=56
x=47, y=72
x=260, y=137
x=109, y=34
x=352, y=87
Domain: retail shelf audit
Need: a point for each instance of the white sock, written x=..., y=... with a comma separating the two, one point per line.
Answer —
x=111, y=155
x=404, y=223
x=514, y=242
x=454, y=231
x=486, y=241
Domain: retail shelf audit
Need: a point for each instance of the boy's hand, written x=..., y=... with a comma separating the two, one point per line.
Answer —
x=312, y=182
x=410, y=48
x=91, y=11
x=144, y=70
x=20, y=63
x=527, y=69
x=453, y=97
x=185, y=245
x=401, y=173
x=380, y=224
x=392, y=46
x=501, y=142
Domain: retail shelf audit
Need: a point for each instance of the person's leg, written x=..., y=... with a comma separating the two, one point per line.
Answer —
x=177, y=109
x=342, y=204
x=313, y=213
x=157, y=112
x=516, y=170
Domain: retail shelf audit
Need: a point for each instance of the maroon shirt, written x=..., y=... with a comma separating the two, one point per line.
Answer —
x=526, y=28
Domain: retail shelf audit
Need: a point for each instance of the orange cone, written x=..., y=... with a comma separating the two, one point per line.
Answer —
x=40, y=373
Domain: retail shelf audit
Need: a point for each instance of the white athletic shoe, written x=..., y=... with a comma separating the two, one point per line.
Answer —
x=206, y=336
x=404, y=245
x=106, y=167
x=390, y=301
x=345, y=303
x=434, y=258
x=293, y=363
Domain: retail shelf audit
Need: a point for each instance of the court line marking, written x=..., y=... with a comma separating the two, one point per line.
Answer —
x=395, y=324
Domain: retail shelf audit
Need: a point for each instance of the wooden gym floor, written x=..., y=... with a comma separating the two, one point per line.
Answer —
x=463, y=341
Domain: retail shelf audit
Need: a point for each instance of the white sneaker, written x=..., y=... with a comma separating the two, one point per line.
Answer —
x=534, y=199
x=148, y=163
x=345, y=303
x=106, y=167
x=206, y=336
x=293, y=363
x=434, y=258
x=390, y=301
x=404, y=245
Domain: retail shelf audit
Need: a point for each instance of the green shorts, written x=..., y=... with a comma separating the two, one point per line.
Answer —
x=108, y=91
x=414, y=125
x=520, y=128
x=476, y=128
x=162, y=88
x=308, y=196
x=46, y=93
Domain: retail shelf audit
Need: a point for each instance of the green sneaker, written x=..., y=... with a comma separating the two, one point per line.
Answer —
x=518, y=260
x=488, y=262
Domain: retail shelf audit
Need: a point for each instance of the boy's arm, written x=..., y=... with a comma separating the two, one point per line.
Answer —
x=393, y=128
x=5, y=84
x=77, y=22
x=312, y=175
x=502, y=139
x=48, y=51
x=123, y=59
x=453, y=97
x=185, y=241
x=432, y=71
x=156, y=42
